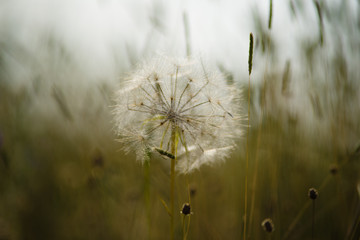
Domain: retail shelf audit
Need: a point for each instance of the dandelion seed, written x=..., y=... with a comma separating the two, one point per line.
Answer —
x=135, y=140
x=178, y=108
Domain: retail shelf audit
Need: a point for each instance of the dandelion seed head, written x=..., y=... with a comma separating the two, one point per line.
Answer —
x=181, y=99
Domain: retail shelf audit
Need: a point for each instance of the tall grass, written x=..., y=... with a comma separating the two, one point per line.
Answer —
x=62, y=175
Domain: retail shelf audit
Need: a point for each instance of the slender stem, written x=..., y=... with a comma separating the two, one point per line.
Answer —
x=147, y=189
x=172, y=182
x=313, y=220
x=172, y=197
x=183, y=225
x=186, y=231
x=247, y=163
x=301, y=212
x=259, y=135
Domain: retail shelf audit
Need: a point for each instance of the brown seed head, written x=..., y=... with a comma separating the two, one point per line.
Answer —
x=313, y=193
x=186, y=209
x=268, y=225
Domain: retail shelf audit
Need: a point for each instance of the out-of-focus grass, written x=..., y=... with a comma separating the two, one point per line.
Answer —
x=62, y=175
x=60, y=181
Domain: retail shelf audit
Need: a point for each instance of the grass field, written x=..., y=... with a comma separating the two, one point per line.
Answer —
x=63, y=175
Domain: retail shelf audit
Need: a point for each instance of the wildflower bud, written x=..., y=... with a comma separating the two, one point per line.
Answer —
x=186, y=209
x=334, y=169
x=313, y=193
x=268, y=225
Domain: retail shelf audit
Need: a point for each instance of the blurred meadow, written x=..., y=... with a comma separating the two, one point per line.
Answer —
x=63, y=175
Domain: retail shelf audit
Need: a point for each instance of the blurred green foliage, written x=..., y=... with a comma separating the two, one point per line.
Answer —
x=63, y=177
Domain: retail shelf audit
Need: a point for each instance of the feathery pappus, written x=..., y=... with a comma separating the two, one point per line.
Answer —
x=180, y=108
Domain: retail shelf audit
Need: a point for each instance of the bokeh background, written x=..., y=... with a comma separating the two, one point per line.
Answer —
x=63, y=175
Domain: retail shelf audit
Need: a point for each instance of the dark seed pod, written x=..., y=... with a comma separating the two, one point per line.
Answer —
x=186, y=209
x=313, y=193
x=268, y=225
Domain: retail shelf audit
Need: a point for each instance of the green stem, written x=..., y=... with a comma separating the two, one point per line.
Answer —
x=188, y=223
x=183, y=225
x=313, y=220
x=172, y=182
x=247, y=163
x=147, y=188
x=172, y=197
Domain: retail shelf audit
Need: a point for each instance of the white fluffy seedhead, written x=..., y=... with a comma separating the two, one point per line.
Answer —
x=180, y=102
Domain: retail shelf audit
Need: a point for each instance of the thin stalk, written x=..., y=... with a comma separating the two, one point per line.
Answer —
x=186, y=226
x=183, y=226
x=172, y=181
x=185, y=232
x=247, y=162
x=313, y=220
x=147, y=189
x=172, y=176
x=259, y=135
x=251, y=48
x=302, y=211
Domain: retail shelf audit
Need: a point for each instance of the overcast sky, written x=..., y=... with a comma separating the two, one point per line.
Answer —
x=99, y=32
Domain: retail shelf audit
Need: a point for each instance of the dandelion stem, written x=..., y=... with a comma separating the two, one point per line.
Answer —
x=147, y=157
x=172, y=179
x=172, y=198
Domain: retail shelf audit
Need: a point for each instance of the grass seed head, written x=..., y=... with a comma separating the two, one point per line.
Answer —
x=186, y=209
x=268, y=225
x=313, y=193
